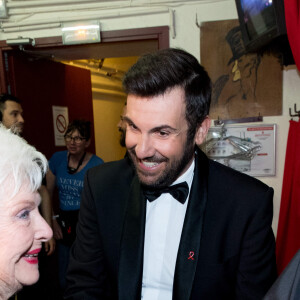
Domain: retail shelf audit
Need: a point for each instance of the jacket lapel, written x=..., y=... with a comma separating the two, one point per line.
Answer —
x=189, y=248
x=132, y=245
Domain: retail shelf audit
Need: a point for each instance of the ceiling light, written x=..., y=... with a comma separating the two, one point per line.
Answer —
x=81, y=32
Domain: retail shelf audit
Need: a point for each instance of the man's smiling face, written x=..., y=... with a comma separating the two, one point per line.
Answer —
x=156, y=137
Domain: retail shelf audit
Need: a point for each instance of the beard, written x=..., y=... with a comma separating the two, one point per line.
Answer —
x=172, y=170
x=17, y=128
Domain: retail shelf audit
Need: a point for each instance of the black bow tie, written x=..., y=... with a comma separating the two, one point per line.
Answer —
x=179, y=191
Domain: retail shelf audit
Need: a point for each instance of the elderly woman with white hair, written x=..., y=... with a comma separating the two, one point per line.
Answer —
x=22, y=229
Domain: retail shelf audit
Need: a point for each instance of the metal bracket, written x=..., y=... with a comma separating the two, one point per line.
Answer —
x=241, y=120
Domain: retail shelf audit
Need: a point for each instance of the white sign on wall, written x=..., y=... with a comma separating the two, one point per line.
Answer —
x=247, y=148
x=60, y=123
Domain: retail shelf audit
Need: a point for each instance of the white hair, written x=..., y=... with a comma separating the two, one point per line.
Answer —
x=20, y=163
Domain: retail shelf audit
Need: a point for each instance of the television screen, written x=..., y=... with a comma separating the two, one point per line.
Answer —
x=261, y=21
x=259, y=16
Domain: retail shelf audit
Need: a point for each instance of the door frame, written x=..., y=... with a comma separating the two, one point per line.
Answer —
x=161, y=34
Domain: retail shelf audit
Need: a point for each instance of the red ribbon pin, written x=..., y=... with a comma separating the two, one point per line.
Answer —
x=191, y=255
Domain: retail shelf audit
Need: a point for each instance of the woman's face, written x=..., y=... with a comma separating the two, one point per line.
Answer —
x=76, y=145
x=22, y=231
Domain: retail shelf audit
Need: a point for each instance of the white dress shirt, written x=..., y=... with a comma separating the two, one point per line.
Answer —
x=164, y=222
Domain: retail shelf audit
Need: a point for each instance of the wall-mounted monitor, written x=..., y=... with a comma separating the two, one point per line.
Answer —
x=261, y=22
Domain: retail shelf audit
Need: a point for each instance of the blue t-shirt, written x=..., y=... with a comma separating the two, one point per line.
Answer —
x=69, y=185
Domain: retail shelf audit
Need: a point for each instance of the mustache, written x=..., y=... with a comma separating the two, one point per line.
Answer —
x=152, y=159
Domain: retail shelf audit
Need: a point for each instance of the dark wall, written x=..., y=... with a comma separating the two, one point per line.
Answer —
x=42, y=83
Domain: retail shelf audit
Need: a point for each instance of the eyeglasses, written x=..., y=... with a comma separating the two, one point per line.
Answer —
x=76, y=139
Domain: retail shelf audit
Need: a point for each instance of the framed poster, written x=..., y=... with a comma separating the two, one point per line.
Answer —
x=244, y=84
x=245, y=148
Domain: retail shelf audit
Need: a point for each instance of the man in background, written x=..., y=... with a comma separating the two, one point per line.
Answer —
x=11, y=113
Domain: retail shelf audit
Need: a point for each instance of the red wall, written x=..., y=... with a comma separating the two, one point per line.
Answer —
x=40, y=84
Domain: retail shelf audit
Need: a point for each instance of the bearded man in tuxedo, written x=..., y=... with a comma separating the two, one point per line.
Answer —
x=166, y=222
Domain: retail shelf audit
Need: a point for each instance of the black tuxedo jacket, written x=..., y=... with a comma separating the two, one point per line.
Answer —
x=227, y=226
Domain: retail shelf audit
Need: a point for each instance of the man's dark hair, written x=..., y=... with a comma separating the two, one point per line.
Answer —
x=155, y=73
x=83, y=127
x=3, y=99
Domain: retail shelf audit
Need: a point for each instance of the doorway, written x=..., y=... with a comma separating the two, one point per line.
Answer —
x=122, y=46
